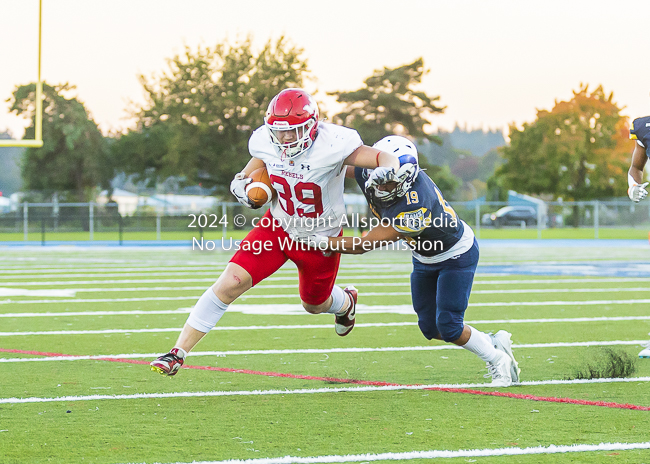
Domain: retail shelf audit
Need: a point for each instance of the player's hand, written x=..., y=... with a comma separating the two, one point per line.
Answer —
x=379, y=176
x=238, y=189
x=637, y=192
x=405, y=171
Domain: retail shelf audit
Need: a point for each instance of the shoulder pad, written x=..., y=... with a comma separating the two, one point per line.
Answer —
x=640, y=129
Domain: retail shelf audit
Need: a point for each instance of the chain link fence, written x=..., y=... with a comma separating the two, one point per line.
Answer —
x=92, y=222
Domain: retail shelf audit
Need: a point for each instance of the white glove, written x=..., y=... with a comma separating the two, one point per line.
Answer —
x=238, y=189
x=379, y=176
x=637, y=192
x=315, y=241
x=406, y=170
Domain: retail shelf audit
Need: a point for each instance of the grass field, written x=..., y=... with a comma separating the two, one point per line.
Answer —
x=80, y=326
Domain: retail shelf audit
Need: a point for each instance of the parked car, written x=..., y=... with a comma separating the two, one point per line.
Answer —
x=512, y=216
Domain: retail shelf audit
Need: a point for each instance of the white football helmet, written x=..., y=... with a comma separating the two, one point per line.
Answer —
x=407, y=154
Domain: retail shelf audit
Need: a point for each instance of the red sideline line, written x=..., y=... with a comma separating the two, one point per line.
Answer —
x=549, y=399
x=219, y=369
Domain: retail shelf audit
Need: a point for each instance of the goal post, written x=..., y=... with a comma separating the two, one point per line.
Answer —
x=38, y=123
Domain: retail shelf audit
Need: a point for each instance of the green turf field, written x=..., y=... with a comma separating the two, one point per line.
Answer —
x=118, y=309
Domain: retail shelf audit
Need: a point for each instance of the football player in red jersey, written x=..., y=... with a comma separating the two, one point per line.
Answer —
x=306, y=160
x=640, y=131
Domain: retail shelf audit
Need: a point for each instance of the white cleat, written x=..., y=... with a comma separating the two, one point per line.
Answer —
x=499, y=370
x=646, y=352
x=344, y=323
x=502, y=342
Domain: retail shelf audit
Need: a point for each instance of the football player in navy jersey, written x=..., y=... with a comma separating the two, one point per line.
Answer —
x=445, y=254
x=640, y=131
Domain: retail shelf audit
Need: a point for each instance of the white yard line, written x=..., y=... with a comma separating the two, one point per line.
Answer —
x=435, y=454
x=393, y=282
x=196, y=297
x=107, y=282
x=385, y=349
x=96, y=313
x=302, y=391
x=152, y=266
x=6, y=272
x=276, y=310
x=192, y=271
x=326, y=326
x=72, y=291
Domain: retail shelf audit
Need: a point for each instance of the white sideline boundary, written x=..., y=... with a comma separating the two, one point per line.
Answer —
x=384, y=349
x=300, y=391
x=325, y=326
x=434, y=454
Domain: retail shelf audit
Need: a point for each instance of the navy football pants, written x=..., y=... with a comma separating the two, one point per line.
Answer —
x=440, y=293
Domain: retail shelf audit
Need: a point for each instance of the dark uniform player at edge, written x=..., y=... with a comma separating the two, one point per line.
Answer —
x=445, y=254
x=640, y=131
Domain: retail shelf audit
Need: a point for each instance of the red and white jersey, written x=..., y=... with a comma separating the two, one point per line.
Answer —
x=309, y=186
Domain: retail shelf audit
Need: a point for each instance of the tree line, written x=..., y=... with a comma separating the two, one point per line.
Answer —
x=201, y=109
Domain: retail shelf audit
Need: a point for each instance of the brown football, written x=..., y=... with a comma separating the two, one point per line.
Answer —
x=260, y=191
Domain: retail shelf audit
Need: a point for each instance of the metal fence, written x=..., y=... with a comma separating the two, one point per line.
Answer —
x=90, y=221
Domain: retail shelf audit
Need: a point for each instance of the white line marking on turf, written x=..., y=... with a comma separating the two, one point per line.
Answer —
x=184, y=266
x=196, y=297
x=111, y=282
x=327, y=326
x=97, y=313
x=71, y=292
x=63, y=292
x=320, y=351
x=294, y=310
x=302, y=391
x=215, y=273
x=478, y=281
x=434, y=454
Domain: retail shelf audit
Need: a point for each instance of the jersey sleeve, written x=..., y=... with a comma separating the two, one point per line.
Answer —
x=347, y=140
x=640, y=131
x=259, y=145
x=361, y=176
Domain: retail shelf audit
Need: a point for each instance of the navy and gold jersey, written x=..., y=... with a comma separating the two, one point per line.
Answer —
x=640, y=131
x=422, y=215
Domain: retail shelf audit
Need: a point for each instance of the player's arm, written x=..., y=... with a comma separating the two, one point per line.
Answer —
x=377, y=237
x=371, y=158
x=349, y=172
x=242, y=179
x=252, y=165
x=637, y=191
